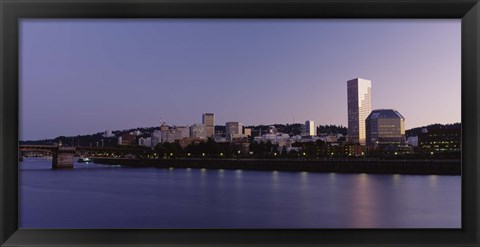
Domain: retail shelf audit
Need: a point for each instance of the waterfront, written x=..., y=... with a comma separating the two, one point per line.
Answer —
x=101, y=196
x=424, y=167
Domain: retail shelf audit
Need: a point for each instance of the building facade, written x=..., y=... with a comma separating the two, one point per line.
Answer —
x=126, y=140
x=310, y=129
x=208, y=119
x=147, y=142
x=233, y=130
x=441, y=140
x=385, y=126
x=198, y=131
x=359, y=97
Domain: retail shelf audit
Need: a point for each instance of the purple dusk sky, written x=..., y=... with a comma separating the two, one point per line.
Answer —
x=87, y=76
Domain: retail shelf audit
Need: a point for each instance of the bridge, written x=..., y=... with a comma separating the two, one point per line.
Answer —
x=63, y=157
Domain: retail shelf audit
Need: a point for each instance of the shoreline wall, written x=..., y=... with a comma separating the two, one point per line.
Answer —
x=421, y=167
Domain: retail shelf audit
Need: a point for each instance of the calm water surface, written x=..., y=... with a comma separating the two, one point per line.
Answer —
x=98, y=196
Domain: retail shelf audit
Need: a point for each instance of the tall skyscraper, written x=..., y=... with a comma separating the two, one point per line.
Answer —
x=310, y=129
x=208, y=119
x=359, y=96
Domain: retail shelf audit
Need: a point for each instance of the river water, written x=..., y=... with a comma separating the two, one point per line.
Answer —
x=101, y=196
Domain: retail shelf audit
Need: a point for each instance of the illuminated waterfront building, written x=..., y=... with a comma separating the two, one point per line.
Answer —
x=441, y=140
x=385, y=126
x=359, y=97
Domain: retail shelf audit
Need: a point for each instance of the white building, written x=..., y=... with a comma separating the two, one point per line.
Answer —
x=310, y=129
x=275, y=137
x=108, y=133
x=359, y=97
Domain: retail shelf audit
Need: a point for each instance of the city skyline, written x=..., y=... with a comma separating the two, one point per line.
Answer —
x=98, y=75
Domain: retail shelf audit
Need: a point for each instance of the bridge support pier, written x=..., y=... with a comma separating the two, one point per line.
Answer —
x=63, y=158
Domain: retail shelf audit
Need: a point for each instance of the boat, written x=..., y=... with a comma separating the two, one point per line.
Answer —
x=84, y=159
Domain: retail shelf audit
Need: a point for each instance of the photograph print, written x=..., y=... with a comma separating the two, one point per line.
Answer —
x=239, y=123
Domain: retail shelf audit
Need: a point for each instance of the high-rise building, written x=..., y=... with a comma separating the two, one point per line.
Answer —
x=359, y=96
x=310, y=129
x=208, y=119
x=385, y=126
x=233, y=130
x=198, y=131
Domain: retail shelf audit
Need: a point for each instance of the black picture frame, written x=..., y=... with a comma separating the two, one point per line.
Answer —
x=466, y=10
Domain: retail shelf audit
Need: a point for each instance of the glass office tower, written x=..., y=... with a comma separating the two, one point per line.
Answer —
x=359, y=96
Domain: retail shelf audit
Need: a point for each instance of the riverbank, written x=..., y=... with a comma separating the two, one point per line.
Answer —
x=422, y=167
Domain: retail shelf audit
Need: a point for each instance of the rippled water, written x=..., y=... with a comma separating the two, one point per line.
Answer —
x=98, y=196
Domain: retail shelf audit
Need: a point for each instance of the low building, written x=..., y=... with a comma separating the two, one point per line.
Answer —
x=441, y=140
x=156, y=137
x=219, y=138
x=329, y=138
x=147, y=142
x=126, y=139
x=354, y=150
x=276, y=138
x=412, y=141
x=184, y=142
